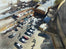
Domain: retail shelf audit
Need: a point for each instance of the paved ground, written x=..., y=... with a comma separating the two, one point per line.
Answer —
x=7, y=43
x=39, y=41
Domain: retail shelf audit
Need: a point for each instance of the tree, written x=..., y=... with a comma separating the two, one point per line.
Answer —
x=36, y=0
x=57, y=2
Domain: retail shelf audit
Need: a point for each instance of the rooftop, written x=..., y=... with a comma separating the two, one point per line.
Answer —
x=45, y=6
